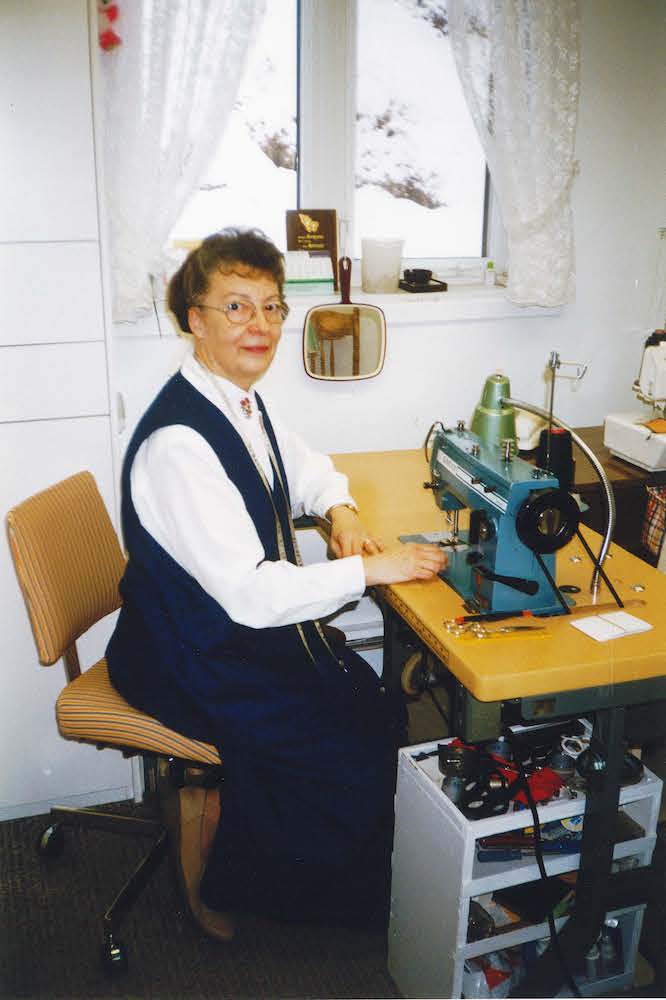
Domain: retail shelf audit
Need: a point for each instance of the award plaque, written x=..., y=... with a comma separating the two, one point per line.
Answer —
x=316, y=231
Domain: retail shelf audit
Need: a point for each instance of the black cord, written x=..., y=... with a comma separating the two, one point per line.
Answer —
x=538, y=852
x=598, y=566
x=435, y=423
x=554, y=587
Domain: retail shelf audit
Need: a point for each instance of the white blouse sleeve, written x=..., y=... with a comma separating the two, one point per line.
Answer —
x=185, y=500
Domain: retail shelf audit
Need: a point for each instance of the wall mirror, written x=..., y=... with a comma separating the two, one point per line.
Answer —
x=346, y=340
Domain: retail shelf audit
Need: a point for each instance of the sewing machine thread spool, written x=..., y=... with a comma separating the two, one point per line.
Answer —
x=557, y=455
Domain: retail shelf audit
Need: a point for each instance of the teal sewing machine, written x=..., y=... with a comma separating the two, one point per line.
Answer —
x=519, y=517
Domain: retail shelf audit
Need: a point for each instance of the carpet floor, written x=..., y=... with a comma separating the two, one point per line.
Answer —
x=51, y=933
x=51, y=930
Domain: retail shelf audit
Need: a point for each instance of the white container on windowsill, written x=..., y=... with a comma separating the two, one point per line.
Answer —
x=380, y=265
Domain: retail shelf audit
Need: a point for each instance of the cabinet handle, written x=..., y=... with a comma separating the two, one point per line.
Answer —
x=120, y=412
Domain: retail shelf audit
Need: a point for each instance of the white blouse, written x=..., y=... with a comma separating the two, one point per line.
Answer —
x=185, y=500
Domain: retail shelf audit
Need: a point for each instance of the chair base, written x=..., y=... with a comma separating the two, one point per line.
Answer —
x=51, y=844
x=164, y=775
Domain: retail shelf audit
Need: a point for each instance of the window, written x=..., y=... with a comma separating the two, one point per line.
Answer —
x=381, y=127
x=420, y=169
x=252, y=178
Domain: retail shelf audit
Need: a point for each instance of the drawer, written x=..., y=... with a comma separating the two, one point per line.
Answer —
x=53, y=380
x=51, y=292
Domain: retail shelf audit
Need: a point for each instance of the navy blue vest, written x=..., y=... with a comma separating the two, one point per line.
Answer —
x=176, y=653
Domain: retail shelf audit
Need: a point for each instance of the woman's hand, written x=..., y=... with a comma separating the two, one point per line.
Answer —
x=348, y=536
x=412, y=561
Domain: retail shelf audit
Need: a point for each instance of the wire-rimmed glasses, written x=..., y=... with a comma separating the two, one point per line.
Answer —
x=240, y=311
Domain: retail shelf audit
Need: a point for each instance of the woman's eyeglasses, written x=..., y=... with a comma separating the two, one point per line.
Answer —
x=240, y=312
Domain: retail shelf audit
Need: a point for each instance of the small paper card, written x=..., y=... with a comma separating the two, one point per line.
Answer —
x=611, y=625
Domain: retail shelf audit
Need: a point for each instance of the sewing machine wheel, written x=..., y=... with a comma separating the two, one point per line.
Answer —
x=418, y=674
x=547, y=521
x=411, y=678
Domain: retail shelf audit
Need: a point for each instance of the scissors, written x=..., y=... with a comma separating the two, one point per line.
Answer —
x=478, y=630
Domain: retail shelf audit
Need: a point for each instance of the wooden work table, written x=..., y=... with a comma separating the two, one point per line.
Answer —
x=533, y=679
x=388, y=486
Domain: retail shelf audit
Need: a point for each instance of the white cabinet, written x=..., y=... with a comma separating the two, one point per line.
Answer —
x=47, y=167
x=436, y=875
x=51, y=292
x=54, y=378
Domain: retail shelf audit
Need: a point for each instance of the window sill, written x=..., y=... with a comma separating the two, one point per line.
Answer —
x=402, y=309
x=460, y=302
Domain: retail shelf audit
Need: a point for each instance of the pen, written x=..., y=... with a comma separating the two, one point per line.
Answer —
x=492, y=616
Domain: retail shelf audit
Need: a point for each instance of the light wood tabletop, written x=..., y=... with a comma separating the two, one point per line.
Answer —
x=388, y=487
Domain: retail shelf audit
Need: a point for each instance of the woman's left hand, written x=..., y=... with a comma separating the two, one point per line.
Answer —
x=349, y=537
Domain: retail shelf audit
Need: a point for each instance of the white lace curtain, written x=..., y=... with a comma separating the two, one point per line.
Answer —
x=169, y=88
x=518, y=61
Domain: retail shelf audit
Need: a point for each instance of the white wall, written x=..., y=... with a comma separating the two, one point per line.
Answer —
x=54, y=399
x=436, y=368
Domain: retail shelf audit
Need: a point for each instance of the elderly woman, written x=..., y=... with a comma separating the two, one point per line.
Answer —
x=219, y=634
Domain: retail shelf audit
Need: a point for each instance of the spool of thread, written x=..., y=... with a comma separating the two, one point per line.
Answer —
x=593, y=963
x=560, y=462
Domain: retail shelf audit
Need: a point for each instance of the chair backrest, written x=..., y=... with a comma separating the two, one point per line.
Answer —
x=68, y=561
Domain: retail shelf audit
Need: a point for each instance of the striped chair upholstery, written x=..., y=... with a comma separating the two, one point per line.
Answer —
x=91, y=710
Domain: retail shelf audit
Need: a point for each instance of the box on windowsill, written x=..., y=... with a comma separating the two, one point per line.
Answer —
x=308, y=273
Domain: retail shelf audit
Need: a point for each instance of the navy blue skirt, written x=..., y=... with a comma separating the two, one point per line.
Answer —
x=306, y=823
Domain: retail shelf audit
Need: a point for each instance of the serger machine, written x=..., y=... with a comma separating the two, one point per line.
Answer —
x=640, y=437
x=518, y=518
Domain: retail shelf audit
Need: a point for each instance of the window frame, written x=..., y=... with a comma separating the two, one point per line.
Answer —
x=327, y=52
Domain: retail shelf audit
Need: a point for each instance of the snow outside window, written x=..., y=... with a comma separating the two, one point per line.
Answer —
x=382, y=128
x=252, y=180
x=420, y=169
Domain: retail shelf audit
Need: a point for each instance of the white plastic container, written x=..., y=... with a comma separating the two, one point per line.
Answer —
x=380, y=264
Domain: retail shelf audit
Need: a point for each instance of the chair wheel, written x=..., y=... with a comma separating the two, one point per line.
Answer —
x=51, y=842
x=114, y=959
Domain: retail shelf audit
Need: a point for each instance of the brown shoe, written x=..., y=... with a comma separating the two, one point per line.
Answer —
x=190, y=815
x=214, y=923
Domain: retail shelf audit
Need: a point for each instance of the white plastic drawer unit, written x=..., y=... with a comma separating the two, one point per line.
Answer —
x=436, y=874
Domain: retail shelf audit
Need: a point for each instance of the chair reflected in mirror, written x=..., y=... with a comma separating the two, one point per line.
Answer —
x=342, y=342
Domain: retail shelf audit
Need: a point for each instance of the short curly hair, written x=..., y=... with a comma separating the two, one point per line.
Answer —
x=224, y=251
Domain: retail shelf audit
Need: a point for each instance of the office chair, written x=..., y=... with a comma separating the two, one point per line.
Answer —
x=69, y=562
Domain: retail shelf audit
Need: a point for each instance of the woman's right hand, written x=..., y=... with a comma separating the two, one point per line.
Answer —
x=412, y=561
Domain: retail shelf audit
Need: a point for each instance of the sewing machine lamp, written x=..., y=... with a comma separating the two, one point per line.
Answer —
x=493, y=423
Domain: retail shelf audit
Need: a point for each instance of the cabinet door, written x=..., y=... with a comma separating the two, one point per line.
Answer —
x=47, y=170
x=51, y=293
x=40, y=768
x=53, y=381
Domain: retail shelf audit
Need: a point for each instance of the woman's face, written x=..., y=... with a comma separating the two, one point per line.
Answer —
x=241, y=352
